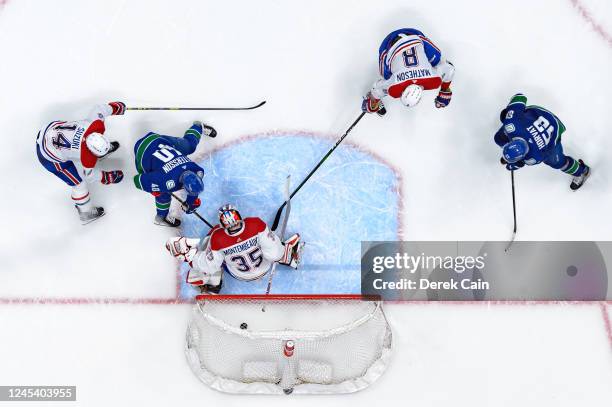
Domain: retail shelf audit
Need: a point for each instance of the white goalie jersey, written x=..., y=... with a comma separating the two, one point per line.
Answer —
x=247, y=254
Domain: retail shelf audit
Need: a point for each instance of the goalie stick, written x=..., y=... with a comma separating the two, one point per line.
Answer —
x=282, y=230
x=280, y=210
x=199, y=108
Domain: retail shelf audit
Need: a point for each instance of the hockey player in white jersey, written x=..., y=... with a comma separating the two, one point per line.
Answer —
x=62, y=146
x=245, y=248
x=409, y=64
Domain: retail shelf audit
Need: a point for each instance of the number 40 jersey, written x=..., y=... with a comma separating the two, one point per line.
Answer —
x=247, y=255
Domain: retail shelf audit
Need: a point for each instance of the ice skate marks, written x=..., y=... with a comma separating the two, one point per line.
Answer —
x=354, y=196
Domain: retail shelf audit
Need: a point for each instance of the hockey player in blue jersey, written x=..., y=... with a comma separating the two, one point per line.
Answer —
x=409, y=63
x=531, y=135
x=163, y=167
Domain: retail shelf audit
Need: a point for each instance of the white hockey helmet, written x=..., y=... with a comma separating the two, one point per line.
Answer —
x=411, y=96
x=98, y=144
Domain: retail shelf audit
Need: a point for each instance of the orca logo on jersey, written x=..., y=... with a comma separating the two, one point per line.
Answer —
x=170, y=184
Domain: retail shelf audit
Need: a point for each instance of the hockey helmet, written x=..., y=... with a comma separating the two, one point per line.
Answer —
x=411, y=96
x=98, y=144
x=192, y=183
x=230, y=219
x=515, y=150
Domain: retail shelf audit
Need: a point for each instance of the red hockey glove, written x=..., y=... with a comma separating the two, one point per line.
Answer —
x=192, y=207
x=111, y=177
x=118, y=108
x=444, y=97
x=372, y=105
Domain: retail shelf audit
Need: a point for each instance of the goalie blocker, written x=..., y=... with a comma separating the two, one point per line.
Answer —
x=246, y=248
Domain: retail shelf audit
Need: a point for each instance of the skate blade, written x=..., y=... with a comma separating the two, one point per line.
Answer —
x=86, y=222
x=165, y=224
x=584, y=180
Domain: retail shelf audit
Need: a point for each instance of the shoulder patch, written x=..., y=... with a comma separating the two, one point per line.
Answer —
x=509, y=128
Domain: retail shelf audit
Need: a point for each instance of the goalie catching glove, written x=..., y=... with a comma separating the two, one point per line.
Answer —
x=293, y=251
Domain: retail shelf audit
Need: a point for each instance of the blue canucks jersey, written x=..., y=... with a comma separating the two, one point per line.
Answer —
x=161, y=160
x=540, y=128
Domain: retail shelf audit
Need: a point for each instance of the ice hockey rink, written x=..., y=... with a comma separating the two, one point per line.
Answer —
x=101, y=307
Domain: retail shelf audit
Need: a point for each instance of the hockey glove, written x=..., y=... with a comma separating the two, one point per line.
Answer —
x=515, y=166
x=182, y=248
x=118, y=108
x=443, y=98
x=293, y=251
x=192, y=206
x=206, y=130
x=372, y=105
x=111, y=177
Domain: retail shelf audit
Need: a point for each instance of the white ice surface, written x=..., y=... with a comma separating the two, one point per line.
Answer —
x=463, y=355
x=312, y=61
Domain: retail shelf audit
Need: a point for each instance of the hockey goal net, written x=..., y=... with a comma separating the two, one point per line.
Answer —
x=287, y=343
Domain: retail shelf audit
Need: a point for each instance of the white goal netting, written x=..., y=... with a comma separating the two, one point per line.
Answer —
x=291, y=344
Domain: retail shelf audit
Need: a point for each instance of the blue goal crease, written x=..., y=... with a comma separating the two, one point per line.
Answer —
x=352, y=197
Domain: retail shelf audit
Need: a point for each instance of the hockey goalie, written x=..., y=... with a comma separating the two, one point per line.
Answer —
x=245, y=248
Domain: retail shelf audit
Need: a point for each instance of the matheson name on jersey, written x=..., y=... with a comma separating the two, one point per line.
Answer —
x=413, y=74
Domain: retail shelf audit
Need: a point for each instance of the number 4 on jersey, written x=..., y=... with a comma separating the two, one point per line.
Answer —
x=60, y=141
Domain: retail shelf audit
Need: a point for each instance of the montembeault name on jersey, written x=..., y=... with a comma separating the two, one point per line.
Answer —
x=242, y=247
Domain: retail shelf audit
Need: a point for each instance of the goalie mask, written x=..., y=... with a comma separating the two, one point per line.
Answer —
x=230, y=219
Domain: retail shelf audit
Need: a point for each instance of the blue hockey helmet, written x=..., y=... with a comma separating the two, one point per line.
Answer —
x=192, y=182
x=515, y=150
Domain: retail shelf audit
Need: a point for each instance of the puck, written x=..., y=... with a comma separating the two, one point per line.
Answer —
x=243, y=325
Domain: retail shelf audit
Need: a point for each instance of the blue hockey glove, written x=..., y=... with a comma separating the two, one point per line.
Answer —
x=515, y=166
x=192, y=206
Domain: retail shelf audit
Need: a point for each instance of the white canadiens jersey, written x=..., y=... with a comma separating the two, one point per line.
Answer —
x=409, y=65
x=62, y=141
x=247, y=255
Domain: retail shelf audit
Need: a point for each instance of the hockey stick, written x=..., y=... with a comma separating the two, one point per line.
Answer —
x=198, y=108
x=280, y=210
x=282, y=232
x=184, y=205
x=513, y=211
